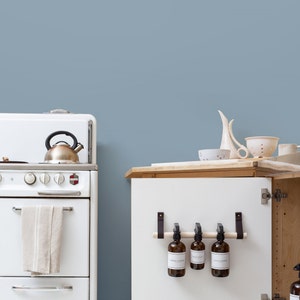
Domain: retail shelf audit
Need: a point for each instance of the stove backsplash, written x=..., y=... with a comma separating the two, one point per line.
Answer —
x=23, y=136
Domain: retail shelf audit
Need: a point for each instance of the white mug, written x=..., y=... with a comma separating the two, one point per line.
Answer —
x=284, y=149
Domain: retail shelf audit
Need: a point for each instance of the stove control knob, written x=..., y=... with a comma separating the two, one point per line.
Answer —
x=29, y=178
x=44, y=178
x=59, y=178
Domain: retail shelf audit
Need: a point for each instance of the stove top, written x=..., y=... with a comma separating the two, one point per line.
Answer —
x=20, y=165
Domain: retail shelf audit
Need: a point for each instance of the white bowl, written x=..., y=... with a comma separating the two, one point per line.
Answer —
x=214, y=154
x=262, y=146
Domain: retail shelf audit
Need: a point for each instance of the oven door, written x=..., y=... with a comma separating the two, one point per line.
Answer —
x=75, y=236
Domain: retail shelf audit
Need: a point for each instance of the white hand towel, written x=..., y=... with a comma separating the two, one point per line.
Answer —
x=41, y=239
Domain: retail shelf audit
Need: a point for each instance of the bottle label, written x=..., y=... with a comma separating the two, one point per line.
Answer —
x=220, y=261
x=176, y=260
x=294, y=297
x=197, y=257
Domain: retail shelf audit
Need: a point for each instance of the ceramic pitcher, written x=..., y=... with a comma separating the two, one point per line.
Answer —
x=228, y=140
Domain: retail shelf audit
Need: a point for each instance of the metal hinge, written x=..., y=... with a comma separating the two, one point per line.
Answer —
x=266, y=297
x=266, y=195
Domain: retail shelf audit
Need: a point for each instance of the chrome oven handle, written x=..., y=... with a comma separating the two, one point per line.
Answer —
x=68, y=208
x=59, y=193
x=42, y=288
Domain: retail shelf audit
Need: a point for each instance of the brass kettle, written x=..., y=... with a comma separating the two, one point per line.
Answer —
x=61, y=152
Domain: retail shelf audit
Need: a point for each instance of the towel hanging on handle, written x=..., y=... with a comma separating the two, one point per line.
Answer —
x=41, y=239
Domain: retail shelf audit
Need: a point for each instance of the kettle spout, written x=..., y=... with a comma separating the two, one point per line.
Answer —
x=78, y=147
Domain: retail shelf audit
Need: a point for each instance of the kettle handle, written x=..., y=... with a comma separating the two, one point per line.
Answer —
x=47, y=142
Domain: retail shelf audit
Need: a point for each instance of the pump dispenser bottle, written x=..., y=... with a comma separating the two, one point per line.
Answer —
x=176, y=254
x=295, y=286
x=220, y=255
x=197, y=249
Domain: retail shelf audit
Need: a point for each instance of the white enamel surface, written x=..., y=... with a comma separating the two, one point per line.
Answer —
x=75, y=236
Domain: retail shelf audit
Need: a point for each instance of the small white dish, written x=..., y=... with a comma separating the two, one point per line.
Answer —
x=213, y=154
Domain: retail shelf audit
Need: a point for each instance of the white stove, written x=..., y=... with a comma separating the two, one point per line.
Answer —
x=27, y=181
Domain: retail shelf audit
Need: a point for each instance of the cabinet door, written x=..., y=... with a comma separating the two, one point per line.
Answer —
x=208, y=201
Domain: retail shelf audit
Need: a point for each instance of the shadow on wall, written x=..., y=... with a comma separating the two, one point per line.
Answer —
x=114, y=213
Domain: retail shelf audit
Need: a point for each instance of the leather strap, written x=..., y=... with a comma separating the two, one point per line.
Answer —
x=160, y=225
x=239, y=225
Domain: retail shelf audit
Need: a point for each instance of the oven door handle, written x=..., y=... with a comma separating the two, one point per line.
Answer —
x=42, y=288
x=68, y=208
x=59, y=193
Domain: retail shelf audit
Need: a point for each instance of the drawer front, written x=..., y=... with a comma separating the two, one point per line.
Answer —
x=75, y=236
x=43, y=288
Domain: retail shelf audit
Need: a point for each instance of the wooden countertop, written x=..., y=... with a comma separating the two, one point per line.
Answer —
x=253, y=167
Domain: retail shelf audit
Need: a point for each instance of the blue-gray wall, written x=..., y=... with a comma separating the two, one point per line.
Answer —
x=154, y=73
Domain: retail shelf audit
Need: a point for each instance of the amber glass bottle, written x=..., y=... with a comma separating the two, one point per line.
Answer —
x=176, y=254
x=295, y=286
x=197, y=250
x=220, y=255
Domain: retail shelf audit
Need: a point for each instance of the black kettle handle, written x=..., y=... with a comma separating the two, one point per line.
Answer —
x=47, y=142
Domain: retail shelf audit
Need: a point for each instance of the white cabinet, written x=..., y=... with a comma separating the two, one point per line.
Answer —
x=208, y=201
